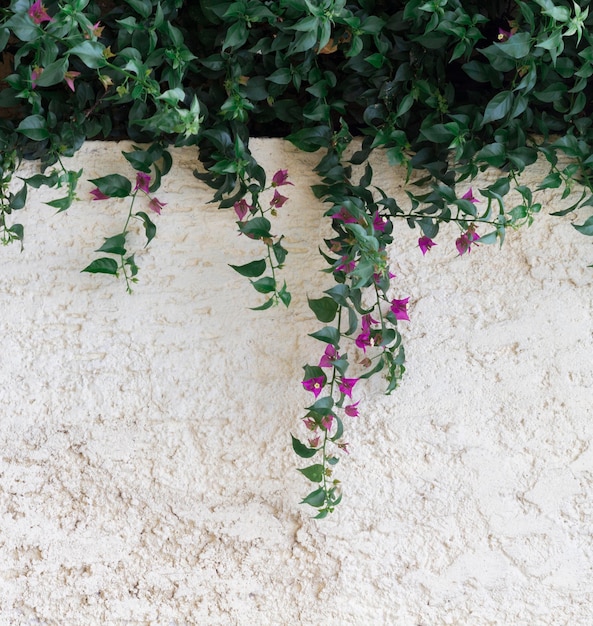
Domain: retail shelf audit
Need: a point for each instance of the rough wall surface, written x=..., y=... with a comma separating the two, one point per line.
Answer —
x=146, y=475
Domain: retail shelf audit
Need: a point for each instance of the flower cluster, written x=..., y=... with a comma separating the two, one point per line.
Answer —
x=253, y=223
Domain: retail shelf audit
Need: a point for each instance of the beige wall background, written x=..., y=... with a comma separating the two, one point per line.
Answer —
x=146, y=474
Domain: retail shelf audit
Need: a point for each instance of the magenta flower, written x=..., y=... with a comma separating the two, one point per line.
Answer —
x=379, y=222
x=329, y=356
x=469, y=195
x=363, y=340
x=367, y=321
x=351, y=409
x=278, y=200
x=142, y=182
x=400, y=309
x=327, y=421
x=314, y=442
x=38, y=13
x=156, y=205
x=346, y=385
x=98, y=194
x=280, y=178
x=69, y=78
x=378, y=276
x=343, y=216
x=35, y=74
x=241, y=208
x=425, y=244
x=464, y=243
x=504, y=35
x=314, y=385
x=346, y=265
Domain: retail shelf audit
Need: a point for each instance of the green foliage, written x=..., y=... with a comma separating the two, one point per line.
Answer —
x=445, y=89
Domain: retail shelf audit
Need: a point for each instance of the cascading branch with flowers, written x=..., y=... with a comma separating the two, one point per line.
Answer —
x=445, y=89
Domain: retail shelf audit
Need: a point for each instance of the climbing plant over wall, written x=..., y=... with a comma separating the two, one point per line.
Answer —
x=445, y=89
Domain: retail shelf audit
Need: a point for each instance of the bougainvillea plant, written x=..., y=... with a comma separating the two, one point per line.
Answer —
x=444, y=89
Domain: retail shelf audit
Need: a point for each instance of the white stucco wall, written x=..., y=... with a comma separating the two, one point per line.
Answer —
x=146, y=474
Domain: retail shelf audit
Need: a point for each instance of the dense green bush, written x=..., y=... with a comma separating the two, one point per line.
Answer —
x=444, y=88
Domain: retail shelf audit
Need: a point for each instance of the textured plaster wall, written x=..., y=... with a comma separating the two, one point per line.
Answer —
x=146, y=475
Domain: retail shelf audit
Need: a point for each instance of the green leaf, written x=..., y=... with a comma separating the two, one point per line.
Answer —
x=517, y=46
x=149, y=226
x=114, y=245
x=90, y=53
x=328, y=334
x=18, y=200
x=256, y=228
x=284, y=295
x=262, y=307
x=498, y=107
x=586, y=228
x=251, y=270
x=325, y=309
x=301, y=449
x=314, y=472
x=103, y=265
x=61, y=203
x=264, y=285
x=315, y=498
x=113, y=185
x=53, y=73
x=34, y=127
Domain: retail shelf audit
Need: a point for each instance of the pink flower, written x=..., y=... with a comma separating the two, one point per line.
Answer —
x=97, y=29
x=35, y=74
x=425, y=244
x=156, y=205
x=143, y=183
x=367, y=321
x=314, y=385
x=327, y=421
x=329, y=356
x=344, y=447
x=98, y=194
x=399, y=309
x=464, y=243
x=346, y=385
x=343, y=216
x=69, y=78
x=310, y=423
x=314, y=442
x=469, y=195
x=379, y=222
x=278, y=200
x=280, y=178
x=38, y=13
x=351, y=409
x=378, y=276
x=241, y=208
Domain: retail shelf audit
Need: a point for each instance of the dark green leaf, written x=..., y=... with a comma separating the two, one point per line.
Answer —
x=251, y=270
x=498, y=107
x=586, y=228
x=314, y=472
x=301, y=449
x=264, y=285
x=114, y=245
x=113, y=185
x=34, y=127
x=325, y=309
x=328, y=334
x=315, y=498
x=149, y=226
x=103, y=265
